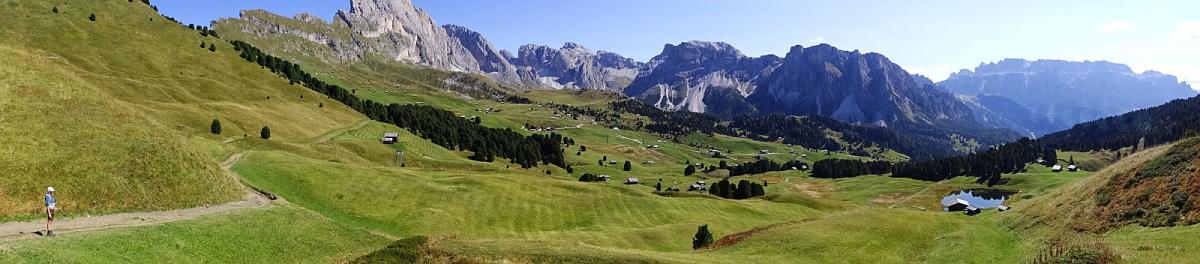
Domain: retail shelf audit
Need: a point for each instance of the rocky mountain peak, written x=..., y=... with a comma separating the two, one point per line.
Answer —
x=699, y=52
x=575, y=66
x=573, y=45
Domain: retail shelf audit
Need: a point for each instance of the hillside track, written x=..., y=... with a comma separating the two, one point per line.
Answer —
x=16, y=231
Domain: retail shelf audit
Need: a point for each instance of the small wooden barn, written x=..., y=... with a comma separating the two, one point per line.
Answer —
x=956, y=205
x=390, y=138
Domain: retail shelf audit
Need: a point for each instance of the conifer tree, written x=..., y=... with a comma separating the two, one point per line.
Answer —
x=215, y=127
x=628, y=166
x=92, y=17
x=689, y=170
x=265, y=133
x=703, y=238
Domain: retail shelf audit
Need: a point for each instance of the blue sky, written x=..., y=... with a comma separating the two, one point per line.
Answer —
x=933, y=38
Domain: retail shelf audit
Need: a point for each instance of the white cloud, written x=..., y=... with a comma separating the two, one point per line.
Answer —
x=1115, y=26
x=1188, y=32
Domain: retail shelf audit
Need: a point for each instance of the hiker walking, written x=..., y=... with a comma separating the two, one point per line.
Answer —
x=50, y=208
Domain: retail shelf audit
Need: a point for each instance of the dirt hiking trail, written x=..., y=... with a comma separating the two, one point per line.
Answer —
x=16, y=231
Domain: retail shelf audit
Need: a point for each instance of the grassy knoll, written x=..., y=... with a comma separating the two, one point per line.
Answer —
x=281, y=234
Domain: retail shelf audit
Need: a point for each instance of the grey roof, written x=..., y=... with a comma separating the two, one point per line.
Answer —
x=956, y=201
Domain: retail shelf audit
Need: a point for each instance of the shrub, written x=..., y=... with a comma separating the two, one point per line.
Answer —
x=628, y=166
x=212, y=47
x=92, y=17
x=588, y=177
x=55, y=10
x=703, y=237
x=215, y=127
x=265, y=133
x=407, y=250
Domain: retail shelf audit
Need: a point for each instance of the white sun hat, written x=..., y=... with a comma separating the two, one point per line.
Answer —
x=50, y=189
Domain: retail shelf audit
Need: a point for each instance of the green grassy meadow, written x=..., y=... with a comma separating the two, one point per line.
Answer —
x=115, y=114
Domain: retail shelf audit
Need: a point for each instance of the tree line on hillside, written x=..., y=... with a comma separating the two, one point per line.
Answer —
x=1147, y=127
x=601, y=116
x=439, y=126
x=743, y=190
x=676, y=123
x=920, y=143
x=843, y=168
x=986, y=165
x=764, y=166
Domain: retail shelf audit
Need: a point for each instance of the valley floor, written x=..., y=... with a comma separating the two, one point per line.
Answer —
x=343, y=203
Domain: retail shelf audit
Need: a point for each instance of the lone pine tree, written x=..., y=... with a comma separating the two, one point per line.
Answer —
x=215, y=127
x=265, y=133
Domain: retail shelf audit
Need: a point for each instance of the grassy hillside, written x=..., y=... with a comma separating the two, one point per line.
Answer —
x=1098, y=217
x=115, y=112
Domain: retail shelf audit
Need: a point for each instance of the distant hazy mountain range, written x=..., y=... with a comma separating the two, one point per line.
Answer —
x=1031, y=98
x=1060, y=94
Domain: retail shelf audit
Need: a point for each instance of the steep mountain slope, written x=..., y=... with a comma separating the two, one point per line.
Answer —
x=1068, y=93
x=396, y=30
x=115, y=112
x=701, y=77
x=853, y=87
x=714, y=78
x=1001, y=112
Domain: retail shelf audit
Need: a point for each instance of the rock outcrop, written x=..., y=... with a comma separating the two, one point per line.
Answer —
x=574, y=66
x=703, y=77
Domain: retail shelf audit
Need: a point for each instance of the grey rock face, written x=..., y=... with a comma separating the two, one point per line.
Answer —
x=1067, y=93
x=574, y=66
x=704, y=77
x=398, y=30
